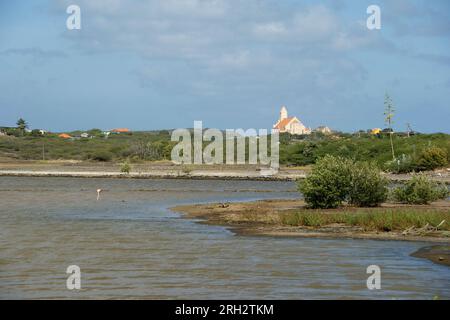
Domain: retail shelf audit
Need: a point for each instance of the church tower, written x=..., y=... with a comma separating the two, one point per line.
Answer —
x=283, y=113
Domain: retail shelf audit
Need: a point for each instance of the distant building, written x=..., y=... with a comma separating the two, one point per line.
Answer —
x=375, y=131
x=290, y=125
x=84, y=135
x=120, y=130
x=323, y=129
x=65, y=136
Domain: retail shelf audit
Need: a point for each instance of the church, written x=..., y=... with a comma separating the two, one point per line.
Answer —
x=290, y=125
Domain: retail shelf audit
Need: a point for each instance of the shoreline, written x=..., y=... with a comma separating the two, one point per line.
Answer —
x=240, y=219
x=201, y=175
x=194, y=174
x=228, y=216
x=168, y=170
x=438, y=254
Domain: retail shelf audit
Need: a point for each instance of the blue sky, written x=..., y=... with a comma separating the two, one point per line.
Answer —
x=163, y=64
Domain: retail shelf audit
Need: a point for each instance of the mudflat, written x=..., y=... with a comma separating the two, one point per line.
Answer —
x=291, y=218
x=166, y=169
x=438, y=254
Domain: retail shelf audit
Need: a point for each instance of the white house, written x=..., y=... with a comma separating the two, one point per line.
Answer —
x=291, y=125
x=323, y=129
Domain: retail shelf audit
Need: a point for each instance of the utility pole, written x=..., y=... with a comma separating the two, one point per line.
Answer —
x=408, y=126
x=389, y=114
x=43, y=151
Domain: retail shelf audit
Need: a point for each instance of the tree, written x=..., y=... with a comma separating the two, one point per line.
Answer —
x=389, y=115
x=36, y=133
x=95, y=132
x=22, y=125
x=369, y=187
x=432, y=158
x=328, y=184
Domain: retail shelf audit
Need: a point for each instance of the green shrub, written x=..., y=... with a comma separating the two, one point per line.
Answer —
x=403, y=164
x=102, y=156
x=420, y=190
x=432, y=158
x=125, y=167
x=368, y=187
x=328, y=184
x=335, y=179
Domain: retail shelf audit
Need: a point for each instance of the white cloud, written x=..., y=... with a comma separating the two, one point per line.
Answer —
x=237, y=59
x=270, y=29
x=204, y=8
x=317, y=23
x=221, y=45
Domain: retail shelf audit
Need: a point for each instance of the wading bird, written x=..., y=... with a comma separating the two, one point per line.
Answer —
x=98, y=194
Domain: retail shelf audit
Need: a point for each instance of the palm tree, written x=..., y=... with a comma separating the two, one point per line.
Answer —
x=389, y=114
x=22, y=125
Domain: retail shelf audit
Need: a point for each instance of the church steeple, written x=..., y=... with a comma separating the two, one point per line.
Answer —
x=291, y=125
x=283, y=113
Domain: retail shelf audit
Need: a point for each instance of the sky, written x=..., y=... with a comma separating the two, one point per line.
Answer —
x=154, y=64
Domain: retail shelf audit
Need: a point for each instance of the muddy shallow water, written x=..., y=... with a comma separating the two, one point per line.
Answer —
x=130, y=245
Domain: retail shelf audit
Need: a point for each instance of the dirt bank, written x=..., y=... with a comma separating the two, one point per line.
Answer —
x=268, y=218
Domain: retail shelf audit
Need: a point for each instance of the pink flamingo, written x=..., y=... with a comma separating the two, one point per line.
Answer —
x=98, y=193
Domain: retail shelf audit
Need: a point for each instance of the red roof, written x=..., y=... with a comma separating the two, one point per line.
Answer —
x=122, y=130
x=283, y=123
x=65, y=136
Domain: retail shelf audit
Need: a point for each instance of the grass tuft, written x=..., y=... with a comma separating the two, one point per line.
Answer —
x=379, y=220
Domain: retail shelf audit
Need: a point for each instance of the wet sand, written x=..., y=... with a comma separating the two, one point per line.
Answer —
x=147, y=170
x=437, y=254
x=240, y=218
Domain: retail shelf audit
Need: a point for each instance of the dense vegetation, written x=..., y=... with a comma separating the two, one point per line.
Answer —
x=420, y=190
x=337, y=180
x=413, y=153
x=137, y=145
